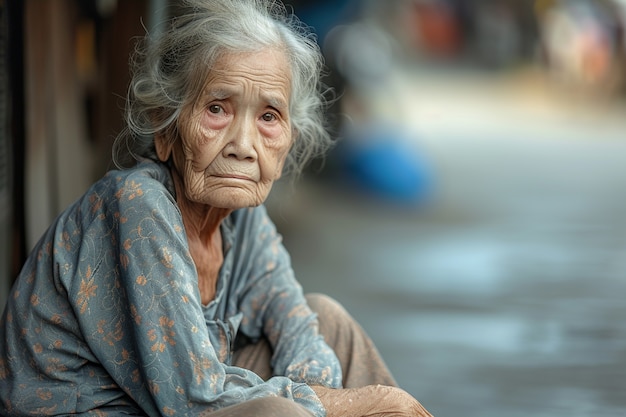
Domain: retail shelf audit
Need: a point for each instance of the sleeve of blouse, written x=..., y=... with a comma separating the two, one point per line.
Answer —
x=274, y=301
x=139, y=309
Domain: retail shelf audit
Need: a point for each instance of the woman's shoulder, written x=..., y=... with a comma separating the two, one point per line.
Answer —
x=123, y=193
x=147, y=173
x=146, y=180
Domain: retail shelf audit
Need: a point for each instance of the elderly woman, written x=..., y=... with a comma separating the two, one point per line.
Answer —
x=165, y=289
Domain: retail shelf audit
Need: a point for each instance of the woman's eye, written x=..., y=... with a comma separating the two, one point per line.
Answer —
x=215, y=108
x=268, y=117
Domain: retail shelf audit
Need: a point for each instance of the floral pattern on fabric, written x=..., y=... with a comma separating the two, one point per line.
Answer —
x=106, y=315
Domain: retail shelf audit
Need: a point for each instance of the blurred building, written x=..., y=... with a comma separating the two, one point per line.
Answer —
x=583, y=42
x=64, y=74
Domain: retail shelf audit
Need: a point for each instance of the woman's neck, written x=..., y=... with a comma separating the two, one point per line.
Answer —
x=202, y=226
x=201, y=221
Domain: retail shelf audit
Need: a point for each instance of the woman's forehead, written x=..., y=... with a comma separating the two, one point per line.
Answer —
x=267, y=72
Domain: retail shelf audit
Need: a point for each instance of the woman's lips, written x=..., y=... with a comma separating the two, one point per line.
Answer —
x=242, y=177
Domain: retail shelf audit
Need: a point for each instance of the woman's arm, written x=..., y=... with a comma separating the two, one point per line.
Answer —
x=275, y=307
x=138, y=306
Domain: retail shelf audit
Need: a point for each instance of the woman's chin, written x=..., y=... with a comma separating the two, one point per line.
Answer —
x=232, y=197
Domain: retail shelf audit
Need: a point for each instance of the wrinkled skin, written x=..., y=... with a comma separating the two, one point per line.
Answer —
x=232, y=147
x=370, y=401
x=235, y=138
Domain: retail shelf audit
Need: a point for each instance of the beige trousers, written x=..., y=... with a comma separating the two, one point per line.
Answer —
x=360, y=361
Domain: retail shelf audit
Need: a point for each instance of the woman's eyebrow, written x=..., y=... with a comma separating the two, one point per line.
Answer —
x=222, y=93
x=219, y=93
x=275, y=101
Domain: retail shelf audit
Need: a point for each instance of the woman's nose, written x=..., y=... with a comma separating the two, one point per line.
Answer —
x=242, y=140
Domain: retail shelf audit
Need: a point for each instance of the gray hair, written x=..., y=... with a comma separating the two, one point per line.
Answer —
x=169, y=72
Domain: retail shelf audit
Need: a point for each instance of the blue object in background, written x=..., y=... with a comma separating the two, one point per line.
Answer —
x=382, y=160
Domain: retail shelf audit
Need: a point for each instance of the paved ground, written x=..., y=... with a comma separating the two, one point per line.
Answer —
x=505, y=296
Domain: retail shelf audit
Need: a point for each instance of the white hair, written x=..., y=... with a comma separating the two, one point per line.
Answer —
x=169, y=72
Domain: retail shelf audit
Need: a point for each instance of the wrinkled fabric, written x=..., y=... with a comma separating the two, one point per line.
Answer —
x=106, y=314
x=361, y=363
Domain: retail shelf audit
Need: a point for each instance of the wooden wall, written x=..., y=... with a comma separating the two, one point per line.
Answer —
x=76, y=69
x=63, y=73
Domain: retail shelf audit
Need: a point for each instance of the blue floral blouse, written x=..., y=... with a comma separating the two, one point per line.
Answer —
x=106, y=317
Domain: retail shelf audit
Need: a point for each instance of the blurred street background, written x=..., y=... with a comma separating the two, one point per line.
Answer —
x=471, y=217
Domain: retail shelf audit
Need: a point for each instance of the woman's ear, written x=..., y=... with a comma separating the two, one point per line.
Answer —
x=163, y=147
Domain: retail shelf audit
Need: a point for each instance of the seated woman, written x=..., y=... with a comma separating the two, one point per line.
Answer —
x=165, y=289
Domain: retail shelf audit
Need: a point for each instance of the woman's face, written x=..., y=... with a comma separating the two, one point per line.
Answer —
x=235, y=139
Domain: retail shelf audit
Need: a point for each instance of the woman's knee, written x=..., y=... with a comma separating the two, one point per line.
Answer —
x=326, y=307
x=335, y=323
x=360, y=361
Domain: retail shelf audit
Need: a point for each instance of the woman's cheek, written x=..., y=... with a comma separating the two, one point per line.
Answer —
x=272, y=132
x=275, y=159
x=207, y=136
x=203, y=150
x=216, y=124
x=214, y=121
